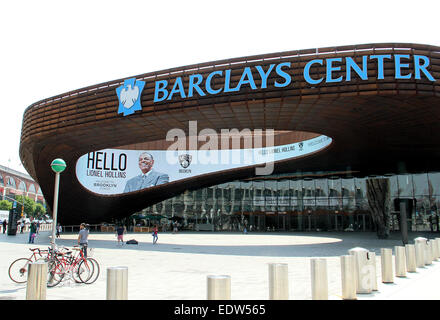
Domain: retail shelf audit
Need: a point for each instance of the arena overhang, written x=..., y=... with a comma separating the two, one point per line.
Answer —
x=376, y=104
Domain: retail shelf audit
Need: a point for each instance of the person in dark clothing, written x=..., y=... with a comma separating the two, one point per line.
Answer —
x=120, y=234
x=32, y=232
x=4, y=225
x=59, y=229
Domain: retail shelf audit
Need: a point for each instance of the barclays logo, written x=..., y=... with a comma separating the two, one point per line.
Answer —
x=129, y=96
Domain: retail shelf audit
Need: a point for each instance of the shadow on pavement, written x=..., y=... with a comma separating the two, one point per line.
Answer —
x=367, y=240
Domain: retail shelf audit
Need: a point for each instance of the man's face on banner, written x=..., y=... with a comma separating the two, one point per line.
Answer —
x=145, y=162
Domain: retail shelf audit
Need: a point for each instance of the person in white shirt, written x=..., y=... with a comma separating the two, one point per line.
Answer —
x=83, y=238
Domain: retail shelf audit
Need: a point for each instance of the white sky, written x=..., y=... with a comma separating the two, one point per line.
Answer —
x=52, y=47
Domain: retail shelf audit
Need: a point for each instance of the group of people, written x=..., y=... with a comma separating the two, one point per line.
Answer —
x=83, y=233
x=120, y=230
x=34, y=229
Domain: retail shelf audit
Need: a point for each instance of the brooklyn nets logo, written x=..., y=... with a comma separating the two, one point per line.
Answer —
x=185, y=160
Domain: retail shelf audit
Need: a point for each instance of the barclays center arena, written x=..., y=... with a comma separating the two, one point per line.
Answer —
x=337, y=138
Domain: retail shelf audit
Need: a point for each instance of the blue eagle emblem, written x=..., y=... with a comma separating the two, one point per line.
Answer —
x=129, y=96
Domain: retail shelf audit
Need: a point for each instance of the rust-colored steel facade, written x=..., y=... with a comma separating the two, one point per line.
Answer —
x=377, y=125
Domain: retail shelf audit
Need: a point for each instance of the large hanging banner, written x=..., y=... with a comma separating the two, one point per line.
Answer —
x=116, y=171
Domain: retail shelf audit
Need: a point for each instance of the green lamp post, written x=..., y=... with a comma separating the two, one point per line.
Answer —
x=58, y=166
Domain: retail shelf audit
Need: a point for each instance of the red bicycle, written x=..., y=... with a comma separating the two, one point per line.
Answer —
x=18, y=270
x=65, y=265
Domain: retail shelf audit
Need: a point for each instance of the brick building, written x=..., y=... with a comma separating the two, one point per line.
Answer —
x=14, y=183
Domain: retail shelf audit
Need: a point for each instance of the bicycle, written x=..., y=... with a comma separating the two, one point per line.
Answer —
x=18, y=269
x=62, y=264
x=95, y=269
x=86, y=272
x=65, y=266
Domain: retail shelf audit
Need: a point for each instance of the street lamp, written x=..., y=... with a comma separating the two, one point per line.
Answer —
x=58, y=166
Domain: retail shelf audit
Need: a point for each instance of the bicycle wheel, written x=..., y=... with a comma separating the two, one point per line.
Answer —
x=95, y=272
x=18, y=270
x=82, y=272
x=55, y=273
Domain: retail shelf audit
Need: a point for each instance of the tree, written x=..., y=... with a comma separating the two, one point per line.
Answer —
x=5, y=205
x=29, y=205
x=39, y=210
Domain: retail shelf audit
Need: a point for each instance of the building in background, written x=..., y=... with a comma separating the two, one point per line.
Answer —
x=14, y=183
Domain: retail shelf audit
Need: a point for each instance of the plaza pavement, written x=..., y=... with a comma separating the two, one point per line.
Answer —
x=177, y=267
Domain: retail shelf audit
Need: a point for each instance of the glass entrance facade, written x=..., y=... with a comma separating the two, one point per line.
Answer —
x=289, y=203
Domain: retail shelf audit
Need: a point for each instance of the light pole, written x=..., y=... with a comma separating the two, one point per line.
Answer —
x=58, y=166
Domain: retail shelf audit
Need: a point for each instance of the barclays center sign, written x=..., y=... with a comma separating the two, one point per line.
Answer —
x=129, y=94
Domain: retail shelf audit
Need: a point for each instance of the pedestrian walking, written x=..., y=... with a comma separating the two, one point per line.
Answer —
x=59, y=230
x=83, y=238
x=32, y=232
x=4, y=225
x=38, y=227
x=120, y=235
x=155, y=237
x=22, y=227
